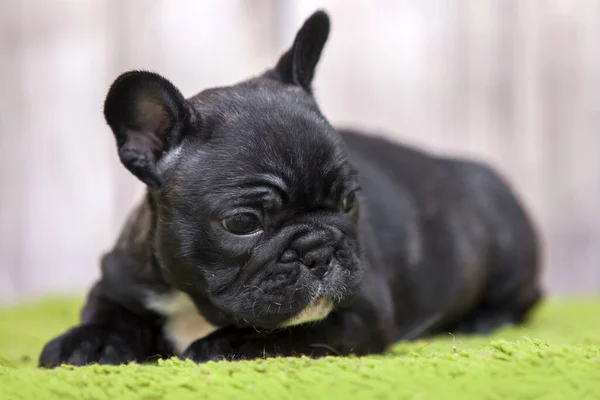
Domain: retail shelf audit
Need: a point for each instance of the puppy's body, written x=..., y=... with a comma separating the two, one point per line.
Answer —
x=449, y=235
x=250, y=243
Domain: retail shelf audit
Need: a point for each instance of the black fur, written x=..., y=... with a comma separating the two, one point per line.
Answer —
x=433, y=244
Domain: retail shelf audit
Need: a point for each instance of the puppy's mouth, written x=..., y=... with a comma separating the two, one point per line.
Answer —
x=284, y=295
x=315, y=311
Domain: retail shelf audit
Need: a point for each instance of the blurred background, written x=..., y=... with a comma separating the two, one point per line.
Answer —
x=512, y=82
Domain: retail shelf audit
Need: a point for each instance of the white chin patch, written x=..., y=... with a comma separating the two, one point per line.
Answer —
x=184, y=324
x=315, y=311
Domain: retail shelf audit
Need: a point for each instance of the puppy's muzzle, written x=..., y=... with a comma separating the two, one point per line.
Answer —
x=318, y=260
x=315, y=250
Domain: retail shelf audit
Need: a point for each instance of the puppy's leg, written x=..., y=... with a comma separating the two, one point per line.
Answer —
x=343, y=332
x=486, y=318
x=512, y=261
x=513, y=288
x=109, y=334
x=512, y=291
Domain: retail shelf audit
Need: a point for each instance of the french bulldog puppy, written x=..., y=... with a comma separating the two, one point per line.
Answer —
x=267, y=232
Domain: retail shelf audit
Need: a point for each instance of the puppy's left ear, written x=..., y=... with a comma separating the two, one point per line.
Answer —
x=148, y=116
x=297, y=65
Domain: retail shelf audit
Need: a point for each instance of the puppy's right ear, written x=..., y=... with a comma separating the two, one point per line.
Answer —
x=297, y=65
x=148, y=116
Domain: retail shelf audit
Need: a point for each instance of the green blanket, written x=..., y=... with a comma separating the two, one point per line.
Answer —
x=557, y=356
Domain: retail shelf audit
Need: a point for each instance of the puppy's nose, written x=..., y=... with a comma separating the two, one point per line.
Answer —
x=318, y=261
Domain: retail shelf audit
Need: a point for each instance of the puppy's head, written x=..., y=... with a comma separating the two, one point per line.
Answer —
x=256, y=201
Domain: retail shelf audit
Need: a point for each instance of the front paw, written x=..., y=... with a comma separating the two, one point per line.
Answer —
x=209, y=349
x=84, y=345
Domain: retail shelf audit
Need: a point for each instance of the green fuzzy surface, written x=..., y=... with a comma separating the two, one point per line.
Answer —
x=556, y=356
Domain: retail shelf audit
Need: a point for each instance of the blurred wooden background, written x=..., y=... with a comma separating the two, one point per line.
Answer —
x=513, y=82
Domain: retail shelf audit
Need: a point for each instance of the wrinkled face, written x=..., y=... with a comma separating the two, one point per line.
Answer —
x=259, y=210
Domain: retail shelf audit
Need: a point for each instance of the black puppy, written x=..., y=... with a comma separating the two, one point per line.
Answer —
x=266, y=232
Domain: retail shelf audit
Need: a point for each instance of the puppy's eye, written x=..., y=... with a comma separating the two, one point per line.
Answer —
x=348, y=202
x=241, y=224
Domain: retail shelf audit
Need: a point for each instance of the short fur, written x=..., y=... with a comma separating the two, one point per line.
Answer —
x=249, y=242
